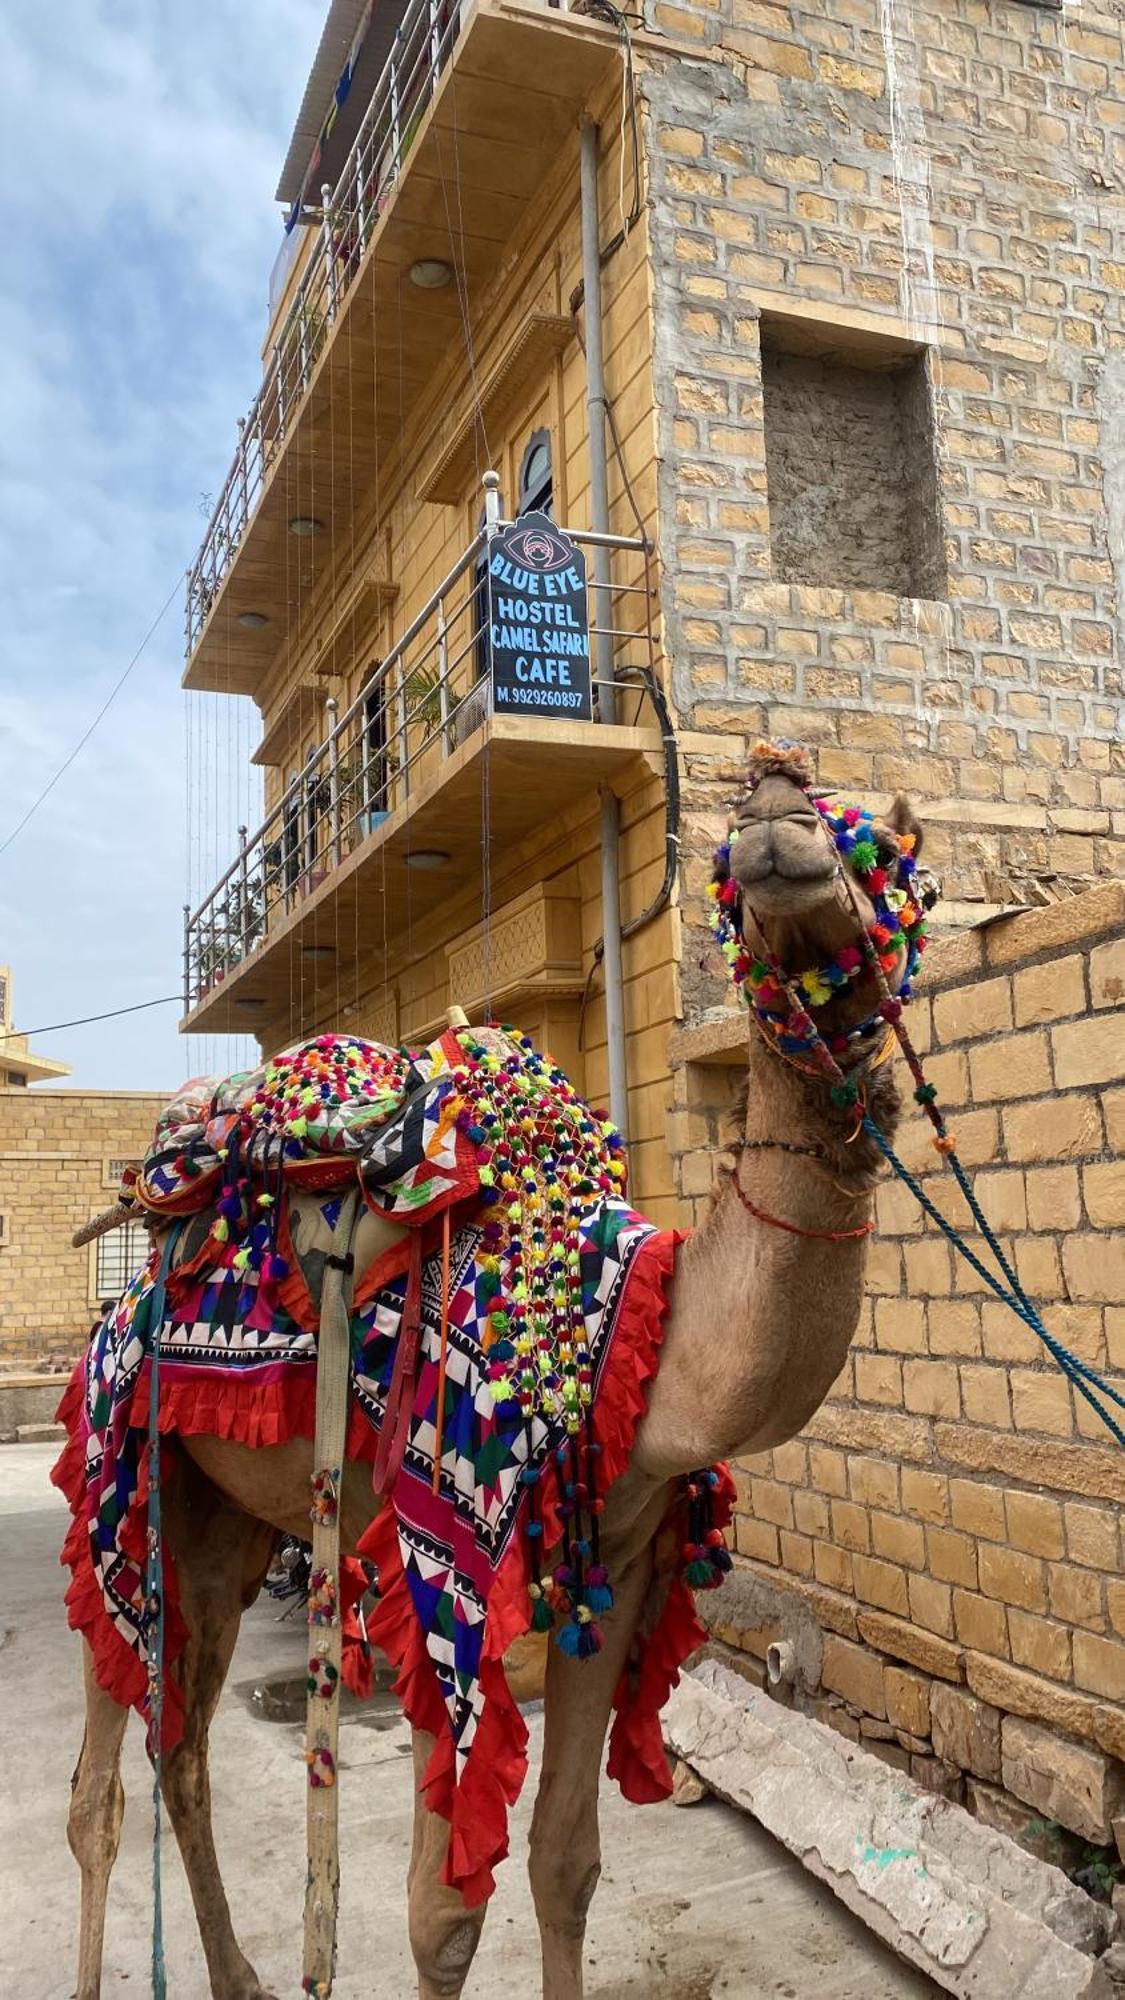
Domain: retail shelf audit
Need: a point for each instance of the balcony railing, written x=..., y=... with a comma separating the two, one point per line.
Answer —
x=421, y=51
x=430, y=695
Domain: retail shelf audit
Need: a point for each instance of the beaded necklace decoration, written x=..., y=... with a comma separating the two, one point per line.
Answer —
x=889, y=946
x=546, y=1160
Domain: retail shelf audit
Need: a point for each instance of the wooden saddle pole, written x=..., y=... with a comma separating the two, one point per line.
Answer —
x=322, y=1719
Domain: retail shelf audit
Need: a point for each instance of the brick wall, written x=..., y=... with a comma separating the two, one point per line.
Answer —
x=863, y=185
x=945, y=1537
x=54, y=1146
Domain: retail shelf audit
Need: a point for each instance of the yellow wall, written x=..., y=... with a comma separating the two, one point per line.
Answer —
x=403, y=986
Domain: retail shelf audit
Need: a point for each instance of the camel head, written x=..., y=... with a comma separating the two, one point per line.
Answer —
x=822, y=893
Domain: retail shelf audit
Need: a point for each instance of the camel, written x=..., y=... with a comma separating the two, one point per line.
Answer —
x=760, y=1322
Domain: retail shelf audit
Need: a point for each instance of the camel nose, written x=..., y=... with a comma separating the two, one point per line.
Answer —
x=777, y=797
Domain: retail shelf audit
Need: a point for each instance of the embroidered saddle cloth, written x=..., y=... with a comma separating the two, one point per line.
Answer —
x=506, y=1535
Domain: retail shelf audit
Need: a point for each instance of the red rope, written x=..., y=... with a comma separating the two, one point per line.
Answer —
x=794, y=1229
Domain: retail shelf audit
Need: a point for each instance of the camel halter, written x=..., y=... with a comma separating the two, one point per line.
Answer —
x=792, y=762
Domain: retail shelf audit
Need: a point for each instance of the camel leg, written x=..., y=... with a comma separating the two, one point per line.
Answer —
x=565, y=1859
x=94, y=1826
x=221, y=1556
x=443, y=1934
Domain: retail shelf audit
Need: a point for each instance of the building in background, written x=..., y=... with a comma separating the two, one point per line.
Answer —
x=61, y=1155
x=846, y=282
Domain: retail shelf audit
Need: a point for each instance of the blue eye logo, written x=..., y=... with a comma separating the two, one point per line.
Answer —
x=537, y=548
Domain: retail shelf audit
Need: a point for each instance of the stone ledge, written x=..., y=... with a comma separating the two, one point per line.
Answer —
x=955, y=1898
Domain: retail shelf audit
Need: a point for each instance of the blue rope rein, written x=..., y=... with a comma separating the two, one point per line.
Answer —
x=1084, y=1378
x=154, y=1602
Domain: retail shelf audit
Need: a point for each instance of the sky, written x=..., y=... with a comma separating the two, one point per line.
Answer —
x=141, y=147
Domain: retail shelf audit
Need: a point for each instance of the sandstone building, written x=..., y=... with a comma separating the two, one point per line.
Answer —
x=846, y=282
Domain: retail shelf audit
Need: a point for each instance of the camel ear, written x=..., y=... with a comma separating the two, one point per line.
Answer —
x=903, y=819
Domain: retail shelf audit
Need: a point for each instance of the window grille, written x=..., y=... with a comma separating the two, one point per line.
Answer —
x=120, y=1253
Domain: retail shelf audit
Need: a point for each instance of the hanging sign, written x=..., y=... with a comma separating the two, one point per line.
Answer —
x=539, y=626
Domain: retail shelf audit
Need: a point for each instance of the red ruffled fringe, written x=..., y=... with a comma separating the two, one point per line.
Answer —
x=477, y=1802
x=117, y=1668
x=247, y=1413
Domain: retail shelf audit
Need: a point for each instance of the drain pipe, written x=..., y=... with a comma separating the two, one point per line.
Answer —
x=603, y=638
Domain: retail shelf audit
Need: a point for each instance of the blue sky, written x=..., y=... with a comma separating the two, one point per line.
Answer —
x=141, y=149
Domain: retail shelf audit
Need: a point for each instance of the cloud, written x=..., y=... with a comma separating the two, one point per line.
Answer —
x=147, y=143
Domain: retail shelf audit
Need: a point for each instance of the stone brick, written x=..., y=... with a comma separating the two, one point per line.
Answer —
x=1089, y=1051
x=1041, y=1402
x=931, y=1605
x=878, y=1379
x=850, y=1526
x=980, y=1623
x=1018, y=1692
x=1103, y=1188
x=1039, y=1644
x=1107, y=974
x=953, y=1556
x=1099, y=1664
x=1013, y=1577
x=930, y=1388
x=1064, y=1781
x=925, y=1494
x=1035, y=1524
x=907, y=1697
x=898, y=1540
x=880, y=1583
x=924, y=1650
x=1075, y=1595
x=1094, y=1267
x=1059, y=1128
x=1053, y=1198
x=828, y=1470
x=1091, y=1535
x=854, y=1673
x=1049, y=992
x=978, y=1510
x=965, y=1731
x=1099, y=1475
x=1015, y=1066
x=971, y=1011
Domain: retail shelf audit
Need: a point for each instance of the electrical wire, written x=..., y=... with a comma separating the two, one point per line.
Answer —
x=18, y=1034
x=663, y=895
x=115, y=690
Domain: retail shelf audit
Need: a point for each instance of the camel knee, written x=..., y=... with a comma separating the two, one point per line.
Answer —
x=443, y=1954
x=93, y=1827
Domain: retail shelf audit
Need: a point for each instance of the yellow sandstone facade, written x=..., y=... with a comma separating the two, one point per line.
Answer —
x=864, y=369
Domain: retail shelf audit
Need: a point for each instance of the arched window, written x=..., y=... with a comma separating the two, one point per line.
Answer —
x=536, y=490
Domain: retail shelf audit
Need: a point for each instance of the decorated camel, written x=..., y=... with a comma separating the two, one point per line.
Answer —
x=549, y=1452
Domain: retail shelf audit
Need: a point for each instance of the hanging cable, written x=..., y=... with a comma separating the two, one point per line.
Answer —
x=17, y=1034
x=115, y=690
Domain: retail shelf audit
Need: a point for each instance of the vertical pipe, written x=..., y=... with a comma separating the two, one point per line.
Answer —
x=595, y=416
x=603, y=653
x=187, y=958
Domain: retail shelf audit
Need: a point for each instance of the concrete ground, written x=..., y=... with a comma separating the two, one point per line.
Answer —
x=693, y=1903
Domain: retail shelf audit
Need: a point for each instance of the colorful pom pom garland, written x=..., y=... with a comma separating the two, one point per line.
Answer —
x=889, y=947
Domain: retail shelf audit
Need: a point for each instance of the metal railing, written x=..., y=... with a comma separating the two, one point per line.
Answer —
x=350, y=210
x=431, y=693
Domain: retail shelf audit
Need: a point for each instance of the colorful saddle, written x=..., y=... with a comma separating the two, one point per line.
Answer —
x=497, y=1244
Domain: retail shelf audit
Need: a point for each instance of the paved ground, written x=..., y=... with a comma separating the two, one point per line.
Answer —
x=693, y=1903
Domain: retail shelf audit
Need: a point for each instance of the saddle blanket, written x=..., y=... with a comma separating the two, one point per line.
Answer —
x=457, y=1567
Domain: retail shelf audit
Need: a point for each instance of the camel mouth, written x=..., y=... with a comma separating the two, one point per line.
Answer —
x=784, y=862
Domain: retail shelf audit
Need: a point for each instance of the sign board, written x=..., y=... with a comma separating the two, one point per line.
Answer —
x=538, y=624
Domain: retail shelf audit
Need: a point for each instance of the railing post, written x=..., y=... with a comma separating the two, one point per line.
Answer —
x=396, y=135
x=334, y=781
x=443, y=676
x=329, y=252
x=243, y=887
x=435, y=42
x=492, y=516
x=245, y=508
x=400, y=729
x=280, y=375
x=187, y=958
x=360, y=197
